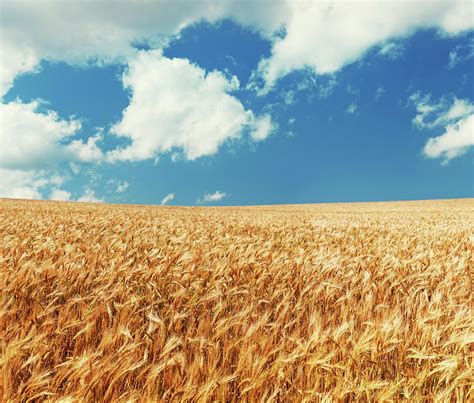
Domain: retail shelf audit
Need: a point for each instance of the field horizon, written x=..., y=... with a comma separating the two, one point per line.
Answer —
x=245, y=205
x=317, y=302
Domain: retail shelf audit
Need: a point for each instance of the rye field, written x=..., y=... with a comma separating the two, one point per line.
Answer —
x=329, y=302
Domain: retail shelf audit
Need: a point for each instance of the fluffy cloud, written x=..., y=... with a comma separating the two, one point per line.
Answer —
x=339, y=32
x=185, y=108
x=177, y=105
x=211, y=197
x=60, y=195
x=89, y=196
x=454, y=142
x=31, y=139
x=455, y=117
x=262, y=127
x=32, y=144
x=14, y=60
x=19, y=184
x=169, y=197
x=104, y=31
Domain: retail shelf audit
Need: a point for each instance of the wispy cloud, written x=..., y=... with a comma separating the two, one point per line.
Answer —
x=122, y=186
x=352, y=108
x=392, y=50
x=460, y=54
x=169, y=197
x=211, y=197
x=457, y=119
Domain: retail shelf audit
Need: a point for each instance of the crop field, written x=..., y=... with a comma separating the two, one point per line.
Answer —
x=364, y=301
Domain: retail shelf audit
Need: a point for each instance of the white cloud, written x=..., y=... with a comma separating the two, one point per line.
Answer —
x=122, y=186
x=14, y=60
x=60, y=195
x=176, y=105
x=454, y=142
x=262, y=128
x=460, y=54
x=459, y=109
x=352, y=108
x=20, y=184
x=31, y=139
x=435, y=114
x=104, y=31
x=32, y=144
x=340, y=32
x=85, y=152
x=33, y=184
x=57, y=180
x=424, y=108
x=113, y=185
x=169, y=197
x=89, y=196
x=457, y=119
x=211, y=197
x=391, y=50
x=289, y=97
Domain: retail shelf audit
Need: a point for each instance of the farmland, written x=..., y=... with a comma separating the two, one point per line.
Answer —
x=366, y=301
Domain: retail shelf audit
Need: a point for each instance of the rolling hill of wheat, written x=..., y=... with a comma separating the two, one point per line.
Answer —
x=364, y=301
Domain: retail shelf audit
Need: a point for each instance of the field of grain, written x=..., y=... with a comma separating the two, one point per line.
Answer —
x=366, y=301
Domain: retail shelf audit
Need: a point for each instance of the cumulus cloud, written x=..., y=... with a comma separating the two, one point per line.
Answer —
x=87, y=151
x=169, y=197
x=456, y=117
x=104, y=31
x=60, y=195
x=262, y=127
x=456, y=140
x=211, y=197
x=176, y=105
x=340, y=32
x=14, y=60
x=34, y=142
x=89, y=196
x=27, y=184
x=31, y=139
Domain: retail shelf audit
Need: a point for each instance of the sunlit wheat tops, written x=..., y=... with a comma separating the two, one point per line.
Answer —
x=283, y=303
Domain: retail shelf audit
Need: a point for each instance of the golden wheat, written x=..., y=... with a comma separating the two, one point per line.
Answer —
x=367, y=301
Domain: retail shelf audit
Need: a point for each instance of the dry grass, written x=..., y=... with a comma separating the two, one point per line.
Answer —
x=287, y=303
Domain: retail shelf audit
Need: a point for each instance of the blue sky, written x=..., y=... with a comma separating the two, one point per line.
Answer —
x=223, y=111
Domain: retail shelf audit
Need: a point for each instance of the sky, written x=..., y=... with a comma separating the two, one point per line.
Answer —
x=235, y=102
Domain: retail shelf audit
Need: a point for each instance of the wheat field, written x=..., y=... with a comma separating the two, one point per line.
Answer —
x=330, y=302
